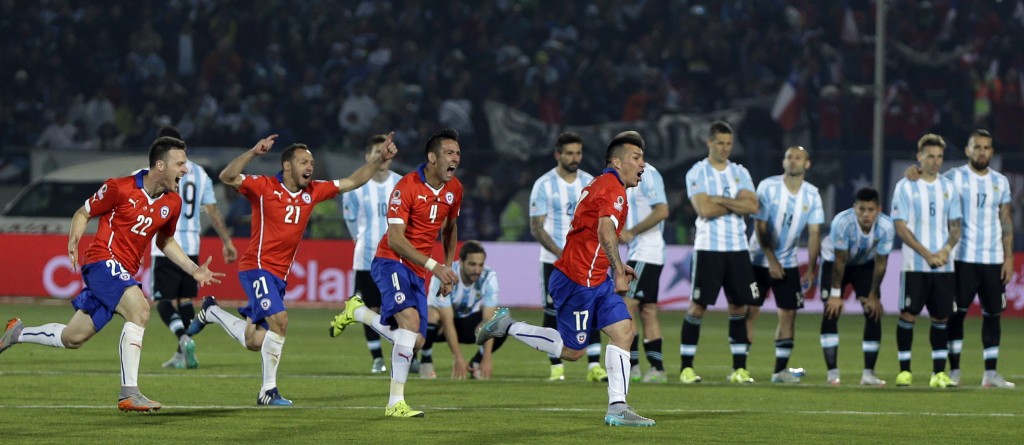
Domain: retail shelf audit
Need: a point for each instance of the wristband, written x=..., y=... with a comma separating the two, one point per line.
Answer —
x=835, y=293
x=430, y=264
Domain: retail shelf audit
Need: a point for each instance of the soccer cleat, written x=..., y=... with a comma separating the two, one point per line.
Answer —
x=799, y=372
x=557, y=372
x=740, y=375
x=378, y=366
x=188, y=348
x=11, y=334
x=655, y=376
x=870, y=379
x=954, y=375
x=941, y=380
x=623, y=415
x=199, y=322
x=496, y=327
x=176, y=362
x=904, y=378
x=833, y=377
x=635, y=374
x=138, y=403
x=597, y=374
x=784, y=376
x=272, y=397
x=401, y=409
x=427, y=371
x=688, y=376
x=347, y=316
x=992, y=379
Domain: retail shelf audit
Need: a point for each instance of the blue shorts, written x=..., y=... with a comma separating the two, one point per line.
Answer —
x=584, y=310
x=400, y=288
x=266, y=295
x=105, y=283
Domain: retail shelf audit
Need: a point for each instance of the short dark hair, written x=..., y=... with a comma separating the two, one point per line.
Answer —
x=471, y=247
x=374, y=140
x=161, y=146
x=168, y=130
x=619, y=142
x=434, y=143
x=289, y=153
x=930, y=140
x=567, y=137
x=979, y=132
x=866, y=194
x=718, y=127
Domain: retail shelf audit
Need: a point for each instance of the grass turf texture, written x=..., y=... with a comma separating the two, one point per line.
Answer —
x=49, y=395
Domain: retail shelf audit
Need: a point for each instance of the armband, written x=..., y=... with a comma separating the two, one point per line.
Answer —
x=430, y=264
x=835, y=293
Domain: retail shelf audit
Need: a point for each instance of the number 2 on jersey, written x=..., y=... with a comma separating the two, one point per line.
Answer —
x=292, y=213
x=142, y=223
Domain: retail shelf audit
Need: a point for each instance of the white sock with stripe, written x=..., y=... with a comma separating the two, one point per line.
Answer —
x=46, y=335
x=273, y=343
x=130, y=350
x=234, y=326
x=542, y=339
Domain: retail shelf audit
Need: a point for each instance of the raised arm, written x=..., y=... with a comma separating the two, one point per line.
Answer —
x=378, y=157
x=232, y=173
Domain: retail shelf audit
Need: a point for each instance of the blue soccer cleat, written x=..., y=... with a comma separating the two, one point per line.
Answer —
x=199, y=322
x=272, y=397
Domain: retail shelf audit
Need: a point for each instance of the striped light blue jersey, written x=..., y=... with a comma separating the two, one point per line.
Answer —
x=980, y=199
x=196, y=190
x=927, y=208
x=466, y=299
x=555, y=199
x=647, y=247
x=861, y=247
x=787, y=215
x=365, y=210
x=726, y=233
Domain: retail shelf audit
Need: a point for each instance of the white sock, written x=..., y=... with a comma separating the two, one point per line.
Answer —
x=234, y=326
x=273, y=343
x=370, y=318
x=401, y=358
x=616, y=361
x=130, y=350
x=46, y=335
x=542, y=339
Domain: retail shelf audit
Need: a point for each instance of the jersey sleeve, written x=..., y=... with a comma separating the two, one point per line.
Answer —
x=490, y=289
x=400, y=203
x=886, y=238
x=207, y=197
x=695, y=184
x=656, y=189
x=324, y=190
x=900, y=202
x=457, y=204
x=538, y=200
x=764, y=201
x=953, y=204
x=838, y=234
x=251, y=186
x=1004, y=191
x=817, y=215
x=432, y=298
x=104, y=199
x=172, y=222
x=746, y=183
x=610, y=203
x=350, y=211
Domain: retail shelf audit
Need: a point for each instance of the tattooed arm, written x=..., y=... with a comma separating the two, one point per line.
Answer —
x=610, y=246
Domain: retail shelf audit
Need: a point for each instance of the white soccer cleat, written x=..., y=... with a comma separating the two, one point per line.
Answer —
x=992, y=379
x=870, y=379
x=833, y=377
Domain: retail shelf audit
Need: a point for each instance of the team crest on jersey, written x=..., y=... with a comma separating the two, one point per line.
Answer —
x=618, y=203
x=306, y=198
x=449, y=197
x=399, y=297
x=164, y=211
x=581, y=338
x=396, y=194
x=265, y=303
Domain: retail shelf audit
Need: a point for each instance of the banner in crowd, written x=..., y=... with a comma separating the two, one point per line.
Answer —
x=38, y=266
x=671, y=140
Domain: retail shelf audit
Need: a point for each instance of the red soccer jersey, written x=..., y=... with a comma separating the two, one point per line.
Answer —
x=583, y=260
x=130, y=219
x=278, y=219
x=423, y=210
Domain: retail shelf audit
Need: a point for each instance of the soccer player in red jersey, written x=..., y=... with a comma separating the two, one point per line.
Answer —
x=131, y=211
x=586, y=300
x=424, y=203
x=281, y=207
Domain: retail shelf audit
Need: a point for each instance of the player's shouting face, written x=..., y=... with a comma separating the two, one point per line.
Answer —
x=448, y=160
x=173, y=169
x=300, y=167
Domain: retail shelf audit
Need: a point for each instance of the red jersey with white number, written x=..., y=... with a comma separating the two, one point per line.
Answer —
x=279, y=218
x=423, y=210
x=583, y=260
x=129, y=218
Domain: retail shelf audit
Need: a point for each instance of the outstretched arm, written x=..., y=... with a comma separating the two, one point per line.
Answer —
x=232, y=174
x=202, y=274
x=378, y=157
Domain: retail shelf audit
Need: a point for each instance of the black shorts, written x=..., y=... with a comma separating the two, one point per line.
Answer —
x=859, y=276
x=645, y=287
x=924, y=289
x=714, y=270
x=367, y=289
x=170, y=282
x=465, y=328
x=983, y=280
x=786, y=291
x=545, y=277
